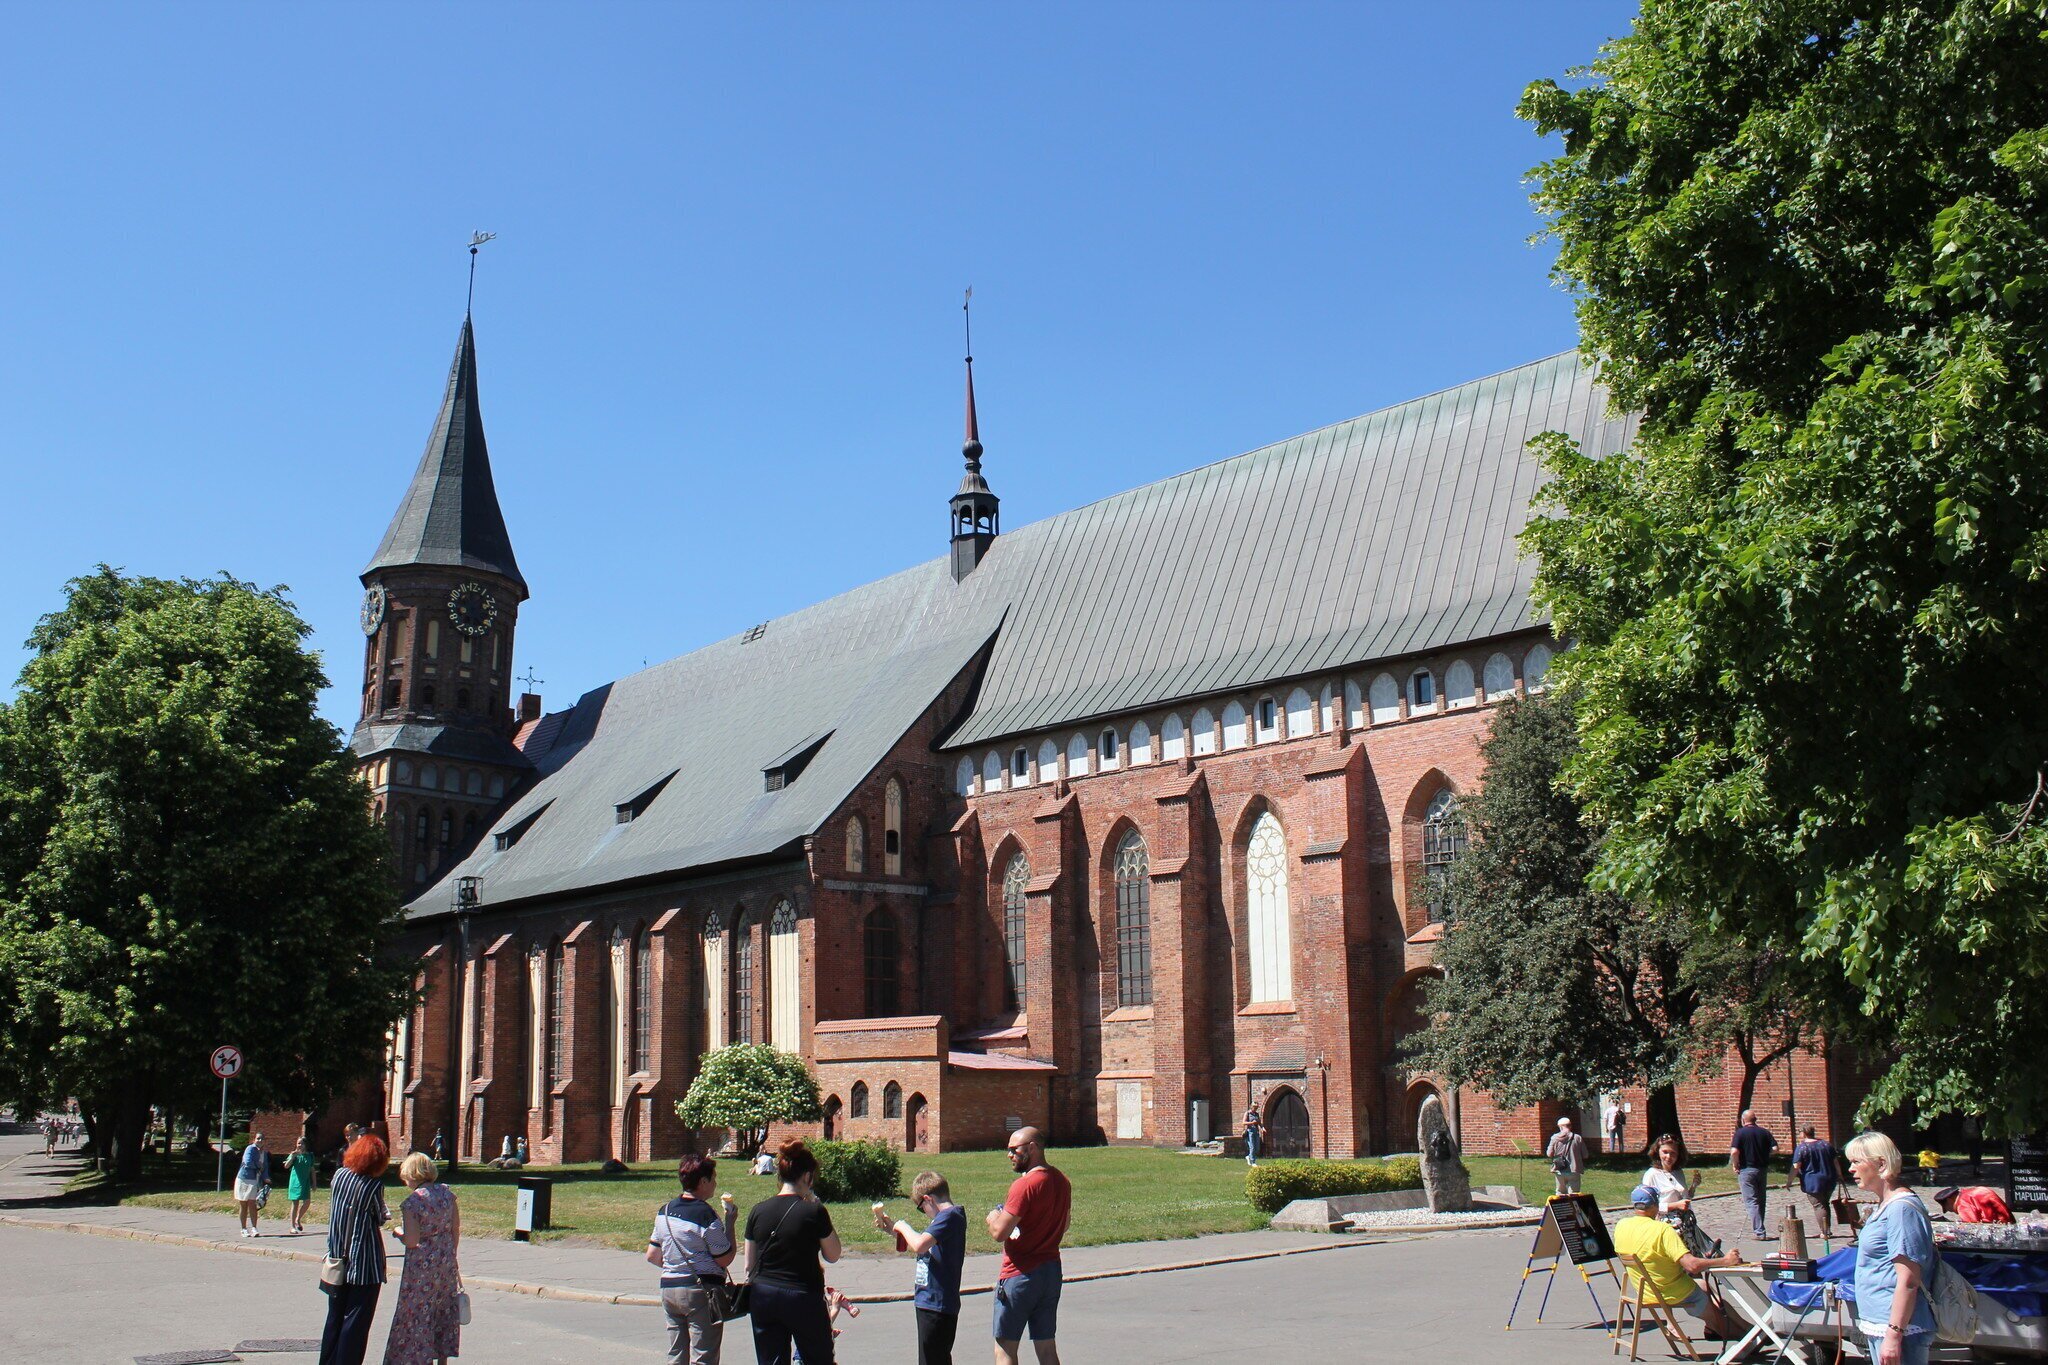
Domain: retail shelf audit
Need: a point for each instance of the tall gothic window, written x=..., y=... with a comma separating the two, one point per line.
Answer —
x=1133, y=923
x=892, y=1101
x=714, y=984
x=1015, y=879
x=643, y=1002
x=892, y=828
x=856, y=844
x=743, y=981
x=1443, y=842
x=785, y=981
x=859, y=1107
x=878, y=952
x=1269, y=934
x=558, y=1016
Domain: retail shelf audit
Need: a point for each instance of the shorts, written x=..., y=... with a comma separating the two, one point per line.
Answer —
x=1695, y=1303
x=1030, y=1300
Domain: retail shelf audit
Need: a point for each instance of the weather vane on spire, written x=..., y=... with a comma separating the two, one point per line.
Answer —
x=967, y=319
x=476, y=239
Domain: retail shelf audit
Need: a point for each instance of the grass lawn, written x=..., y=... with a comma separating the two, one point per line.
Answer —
x=1121, y=1194
x=1608, y=1179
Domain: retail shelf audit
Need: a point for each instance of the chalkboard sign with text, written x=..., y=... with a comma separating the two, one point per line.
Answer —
x=1572, y=1227
x=2026, y=1173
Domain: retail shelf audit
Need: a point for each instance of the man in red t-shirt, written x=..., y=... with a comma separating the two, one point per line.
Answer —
x=1974, y=1204
x=1028, y=1225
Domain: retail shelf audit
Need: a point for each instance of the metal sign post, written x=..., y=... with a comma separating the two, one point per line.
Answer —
x=227, y=1064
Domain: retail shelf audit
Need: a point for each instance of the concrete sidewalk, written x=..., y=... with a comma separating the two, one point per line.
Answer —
x=565, y=1270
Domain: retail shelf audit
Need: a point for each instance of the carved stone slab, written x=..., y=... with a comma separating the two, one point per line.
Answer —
x=1444, y=1177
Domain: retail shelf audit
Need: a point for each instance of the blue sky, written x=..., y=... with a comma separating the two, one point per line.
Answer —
x=719, y=333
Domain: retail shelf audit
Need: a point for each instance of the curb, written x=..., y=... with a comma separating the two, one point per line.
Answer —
x=546, y=1291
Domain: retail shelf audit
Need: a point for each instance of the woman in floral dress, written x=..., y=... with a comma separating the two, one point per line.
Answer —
x=425, y=1329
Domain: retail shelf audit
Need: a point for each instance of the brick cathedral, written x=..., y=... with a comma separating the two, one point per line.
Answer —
x=1118, y=824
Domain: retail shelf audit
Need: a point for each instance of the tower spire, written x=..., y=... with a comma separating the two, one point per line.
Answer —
x=975, y=506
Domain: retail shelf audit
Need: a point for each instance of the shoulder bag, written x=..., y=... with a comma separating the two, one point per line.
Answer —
x=461, y=1303
x=737, y=1300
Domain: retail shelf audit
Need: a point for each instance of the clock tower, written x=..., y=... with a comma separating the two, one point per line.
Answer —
x=440, y=604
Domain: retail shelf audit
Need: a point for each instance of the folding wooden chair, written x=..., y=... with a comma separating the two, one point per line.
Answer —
x=1637, y=1298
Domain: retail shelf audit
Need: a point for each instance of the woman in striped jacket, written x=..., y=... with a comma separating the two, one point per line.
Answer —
x=355, y=1236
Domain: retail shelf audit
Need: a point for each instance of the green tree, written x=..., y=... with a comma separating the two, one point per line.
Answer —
x=747, y=1087
x=186, y=860
x=1554, y=988
x=1810, y=245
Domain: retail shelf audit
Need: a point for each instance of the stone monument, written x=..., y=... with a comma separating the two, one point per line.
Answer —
x=1444, y=1178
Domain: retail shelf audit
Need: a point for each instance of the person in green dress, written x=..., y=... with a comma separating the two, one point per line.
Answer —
x=299, y=1167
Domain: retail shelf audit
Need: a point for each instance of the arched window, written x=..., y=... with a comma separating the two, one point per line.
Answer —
x=1173, y=738
x=1354, y=705
x=1385, y=696
x=497, y=788
x=892, y=1101
x=992, y=772
x=785, y=981
x=1107, y=750
x=1499, y=677
x=558, y=1015
x=433, y=639
x=1267, y=719
x=1535, y=666
x=1133, y=922
x=1048, y=761
x=426, y=696
x=1077, y=756
x=474, y=784
x=1443, y=842
x=1015, y=878
x=1269, y=933
x=743, y=980
x=878, y=960
x=859, y=1107
x=643, y=1002
x=430, y=777
x=391, y=695
x=714, y=983
x=963, y=776
x=1020, y=766
x=1421, y=690
x=447, y=829
x=892, y=828
x=1458, y=683
x=1204, y=732
x=404, y=771
x=1233, y=726
x=1301, y=713
x=856, y=844
x=423, y=827
x=1141, y=743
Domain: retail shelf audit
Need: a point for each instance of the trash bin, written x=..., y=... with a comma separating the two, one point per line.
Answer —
x=533, y=1206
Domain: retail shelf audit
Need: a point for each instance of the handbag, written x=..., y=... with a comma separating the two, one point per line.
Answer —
x=461, y=1304
x=332, y=1270
x=737, y=1300
x=1954, y=1300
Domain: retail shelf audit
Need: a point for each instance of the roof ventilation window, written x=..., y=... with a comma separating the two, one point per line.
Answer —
x=754, y=633
x=789, y=766
x=627, y=812
x=516, y=831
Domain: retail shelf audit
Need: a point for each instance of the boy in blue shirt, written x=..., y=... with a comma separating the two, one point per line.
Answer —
x=941, y=1251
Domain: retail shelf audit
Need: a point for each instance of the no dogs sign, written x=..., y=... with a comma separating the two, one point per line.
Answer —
x=227, y=1062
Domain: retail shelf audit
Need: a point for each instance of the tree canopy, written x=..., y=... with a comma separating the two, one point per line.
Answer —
x=1810, y=245
x=186, y=860
x=748, y=1087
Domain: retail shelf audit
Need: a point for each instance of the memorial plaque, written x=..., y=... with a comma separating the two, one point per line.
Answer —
x=2026, y=1173
x=1580, y=1228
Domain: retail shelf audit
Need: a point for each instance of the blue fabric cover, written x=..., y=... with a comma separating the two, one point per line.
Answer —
x=2018, y=1284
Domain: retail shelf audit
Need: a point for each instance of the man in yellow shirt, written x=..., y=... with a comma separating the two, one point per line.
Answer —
x=1668, y=1267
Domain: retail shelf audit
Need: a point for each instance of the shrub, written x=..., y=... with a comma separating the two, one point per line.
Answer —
x=1272, y=1185
x=868, y=1169
x=746, y=1087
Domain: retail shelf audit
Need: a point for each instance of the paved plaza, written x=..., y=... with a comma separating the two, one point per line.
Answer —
x=75, y=1297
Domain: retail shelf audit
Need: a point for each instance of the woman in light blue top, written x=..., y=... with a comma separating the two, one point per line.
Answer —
x=1894, y=1257
x=252, y=1179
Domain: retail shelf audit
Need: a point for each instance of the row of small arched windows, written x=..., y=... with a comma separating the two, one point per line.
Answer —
x=892, y=1101
x=1380, y=702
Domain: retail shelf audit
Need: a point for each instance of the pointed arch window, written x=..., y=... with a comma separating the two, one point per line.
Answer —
x=1173, y=738
x=785, y=981
x=643, y=1002
x=1133, y=922
x=1443, y=843
x=1015, y=878
x=858, y=1108
x=856, y=844
x=879, y=963
x=892, y=828
x=743, y=980
x=892, y=1101
x=1269, y=933
x=558, y=1015
x=963, y=776
x=714, y=983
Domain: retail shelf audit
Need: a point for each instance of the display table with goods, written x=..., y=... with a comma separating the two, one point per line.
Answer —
x=2012, y=1301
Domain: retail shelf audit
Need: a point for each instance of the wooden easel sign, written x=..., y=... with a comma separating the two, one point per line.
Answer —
x=1572, y=1232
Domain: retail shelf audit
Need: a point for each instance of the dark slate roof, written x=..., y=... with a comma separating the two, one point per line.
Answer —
x=442, y=741
x=449, y=514
x=1390, y=534
x=1387, y=535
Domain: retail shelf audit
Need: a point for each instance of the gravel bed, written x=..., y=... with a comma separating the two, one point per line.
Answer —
x=1415, y=1218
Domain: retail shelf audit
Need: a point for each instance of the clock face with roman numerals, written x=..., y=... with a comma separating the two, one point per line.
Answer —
x=472, y=609
x=372, y=614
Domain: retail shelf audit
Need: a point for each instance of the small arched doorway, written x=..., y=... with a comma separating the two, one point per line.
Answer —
x=1287, y=1131
x=1412, y=1109
x=832, y=1108
x=917, y=1125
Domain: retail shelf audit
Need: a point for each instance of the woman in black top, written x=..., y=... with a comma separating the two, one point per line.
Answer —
x=785, y=1237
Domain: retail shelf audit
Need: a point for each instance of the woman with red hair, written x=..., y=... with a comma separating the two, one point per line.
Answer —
x=354, y=1272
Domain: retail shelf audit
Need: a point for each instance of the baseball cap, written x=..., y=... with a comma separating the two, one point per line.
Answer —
x=1642, y=1194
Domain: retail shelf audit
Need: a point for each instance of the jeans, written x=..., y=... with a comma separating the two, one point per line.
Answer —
x=1752, y=1180
x=1912, y=1350
x=350, y=1307
x=1251, y=1146
x=695, y=1329
x=935, y=1332
x=1567, y=1181
x=790, y=1313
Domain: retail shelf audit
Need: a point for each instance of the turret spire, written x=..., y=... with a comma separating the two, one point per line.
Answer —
x=975, y=507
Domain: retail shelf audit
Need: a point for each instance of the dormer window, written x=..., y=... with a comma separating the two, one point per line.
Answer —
x=788, y=766
x=626, y=812
x=1020, y=764
x=516, y=831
